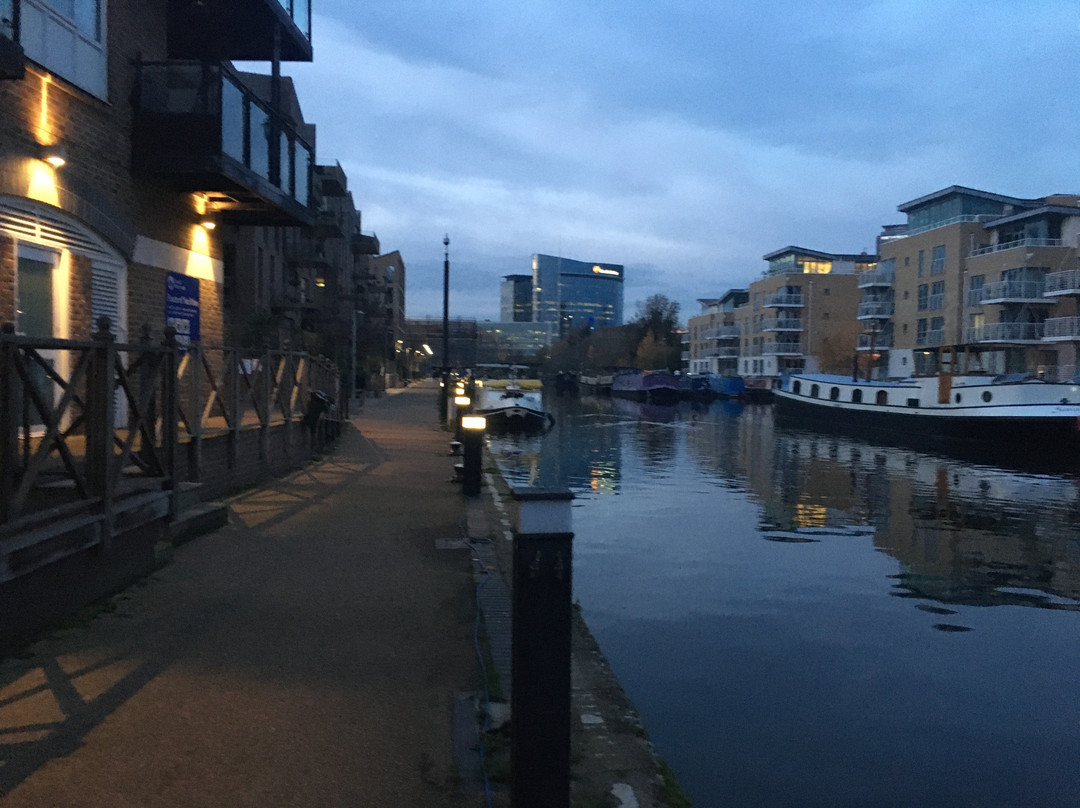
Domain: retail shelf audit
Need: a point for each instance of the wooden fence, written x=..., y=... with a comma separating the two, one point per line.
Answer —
x=97, y=437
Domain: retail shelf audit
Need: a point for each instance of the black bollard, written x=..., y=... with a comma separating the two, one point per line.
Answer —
x=472, y=450
x=540, y=664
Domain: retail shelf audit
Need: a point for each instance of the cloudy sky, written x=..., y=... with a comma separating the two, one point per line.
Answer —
x=683, y=139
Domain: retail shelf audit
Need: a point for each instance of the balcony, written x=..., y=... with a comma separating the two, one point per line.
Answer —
x=1026, y=243
x=1014, y=292
x=1063, y=283
x=783, y=299
x=1061, y=329
x=241, y=30
x=877, y=277
x=204, y=130
x=876, y=310
x=782, y=349
x=1019, y=333
x=877, y=342
x=720, y=353
x=930, y=338
x=782, y=324
x=722, y=332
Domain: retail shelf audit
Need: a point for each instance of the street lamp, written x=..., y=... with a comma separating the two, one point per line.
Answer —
x=445, y=329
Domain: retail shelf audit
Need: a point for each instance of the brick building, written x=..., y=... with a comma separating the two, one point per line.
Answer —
x=128, y=143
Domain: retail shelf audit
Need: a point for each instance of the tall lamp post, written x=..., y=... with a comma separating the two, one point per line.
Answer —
x=445, y=330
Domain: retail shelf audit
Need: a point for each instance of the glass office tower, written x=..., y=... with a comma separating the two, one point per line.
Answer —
x=576, y=294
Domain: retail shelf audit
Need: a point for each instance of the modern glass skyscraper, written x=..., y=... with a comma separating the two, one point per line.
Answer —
x=575, y=294
x=516, y=299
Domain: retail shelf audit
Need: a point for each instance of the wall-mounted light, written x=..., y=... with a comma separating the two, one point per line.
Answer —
x=54, y=154
x=208, y=223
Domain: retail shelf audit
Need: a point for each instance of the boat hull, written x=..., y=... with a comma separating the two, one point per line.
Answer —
x=1036, y=423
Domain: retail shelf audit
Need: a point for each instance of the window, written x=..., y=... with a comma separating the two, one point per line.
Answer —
x=814, y=391
x=882, y=397
x=924, y=293
x=920, y=332
x=922, y=254
x=834, y=393
x=937, y=263
x=856, y=396
x=975, y=287
x=67, y=37
x=937, y=295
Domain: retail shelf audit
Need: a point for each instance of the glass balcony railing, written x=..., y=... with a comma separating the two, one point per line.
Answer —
x=783, y=299
x=876, y=342
x=1063, y=283
x=1011, y=245
x=882, y=276
x=876, y=308
x=1061, y=329
x=1014, y=291
x=1005, y=332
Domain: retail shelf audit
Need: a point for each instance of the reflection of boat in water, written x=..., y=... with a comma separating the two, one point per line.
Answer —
x=644, y=411
x=656, y=386
x=596, y=382
x=1016, y=416
x=512, y=405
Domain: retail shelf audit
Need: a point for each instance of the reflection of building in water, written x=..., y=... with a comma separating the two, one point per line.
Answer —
x=963, y=534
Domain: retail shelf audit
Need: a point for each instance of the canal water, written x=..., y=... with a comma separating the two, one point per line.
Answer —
x=811, y=620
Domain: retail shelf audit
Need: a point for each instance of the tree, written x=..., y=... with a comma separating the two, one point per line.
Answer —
x=659, y=315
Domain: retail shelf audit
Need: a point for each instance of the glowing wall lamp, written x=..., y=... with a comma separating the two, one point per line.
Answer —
x=54, y=154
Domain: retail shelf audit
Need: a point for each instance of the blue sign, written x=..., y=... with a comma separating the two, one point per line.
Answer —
x=182, y=307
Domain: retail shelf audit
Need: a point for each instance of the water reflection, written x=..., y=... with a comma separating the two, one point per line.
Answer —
x=801, y=617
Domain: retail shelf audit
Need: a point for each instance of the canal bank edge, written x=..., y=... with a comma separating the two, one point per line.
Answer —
x=613, y=763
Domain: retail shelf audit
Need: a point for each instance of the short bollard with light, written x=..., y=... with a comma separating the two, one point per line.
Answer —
x=472, y=440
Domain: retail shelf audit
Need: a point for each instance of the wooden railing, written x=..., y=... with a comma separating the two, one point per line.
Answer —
x=92, y=431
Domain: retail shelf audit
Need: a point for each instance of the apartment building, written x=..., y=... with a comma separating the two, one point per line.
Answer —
x=712, y=336
x=992, y=275
x=802, y=314
x=126, y=137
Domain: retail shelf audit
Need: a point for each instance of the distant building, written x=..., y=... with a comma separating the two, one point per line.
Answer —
x=576, y=294
x=802, y=314
x=514, y=342
x=516, y=299
x=712, y=336
x=994, y=275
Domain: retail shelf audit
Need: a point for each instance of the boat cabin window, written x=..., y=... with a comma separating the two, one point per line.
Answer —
x=882, y=397
x=814, y=390
x=796, y=386
x=957, y=398
x=913, y=402
x=987, y=396
x=856, y=396
x=834, y=393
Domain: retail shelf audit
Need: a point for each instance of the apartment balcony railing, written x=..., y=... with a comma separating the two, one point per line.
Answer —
x=978, y=217
x=240, y=30
x=206, y=131
x=930, y=338
x=1061, y=329
x=1011, y=245
x=1014, y=292
x=720, y=353
x=782, y=324
x=878, y=342
x=876, y=309
x=783, y=299
x=685, y=356
x=1063, y=283
x=877, y=277
x=1005, y=332
x=782, y=349
x=722, y=332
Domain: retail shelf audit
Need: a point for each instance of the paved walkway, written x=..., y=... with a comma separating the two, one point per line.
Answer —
x=306, y=655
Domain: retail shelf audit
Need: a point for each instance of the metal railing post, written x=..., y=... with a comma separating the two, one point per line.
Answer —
x=9, y=421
